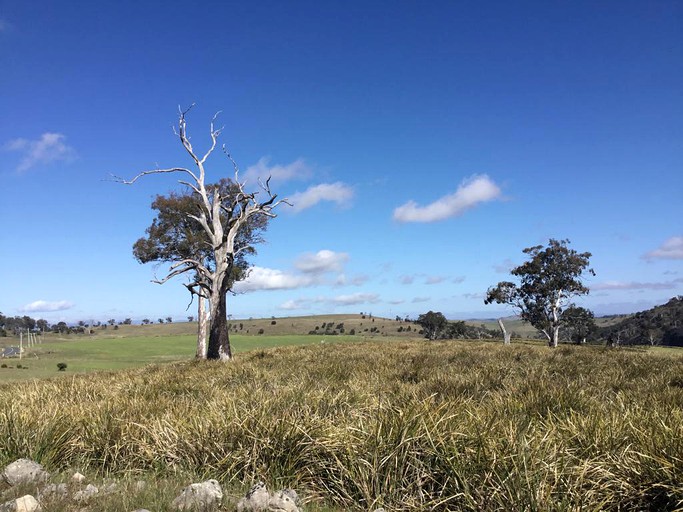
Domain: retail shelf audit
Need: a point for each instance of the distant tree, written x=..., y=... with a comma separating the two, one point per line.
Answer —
x=432, y=323
x=111, y=321
x=161, y=320
x=145, y=321
x=127, y=321
x=548, y=282
x=190, y=318
x=61, y=367
x=579, y=323
x=169, y=319
x=42, y=325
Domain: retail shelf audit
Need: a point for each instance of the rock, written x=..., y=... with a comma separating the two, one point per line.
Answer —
x=292, y=494
x=141, y=510
x=27, y=504
x=24, y=471
x=199, y=495
x=86, y=494
x=255, y=500
x=53, y=491
x=24, y=504
x=78, y=478
x=282, y=501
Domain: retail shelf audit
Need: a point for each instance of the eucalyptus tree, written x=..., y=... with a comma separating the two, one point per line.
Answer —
x=547, y=284
x=579, y=323
x=175, y=236
x=221, y=218
x=432, y=323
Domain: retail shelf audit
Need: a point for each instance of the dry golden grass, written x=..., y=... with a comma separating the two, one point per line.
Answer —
x=407, y=425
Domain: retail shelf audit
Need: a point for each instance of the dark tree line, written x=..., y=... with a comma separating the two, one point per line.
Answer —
x=661, y=325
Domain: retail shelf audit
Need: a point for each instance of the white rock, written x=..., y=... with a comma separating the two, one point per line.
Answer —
x=87, y=493
x=256, y=500
x=200, y=495
x=78, y=478
x=24, y=471
x=282, y=501
x=27, y=504
x=53, y=490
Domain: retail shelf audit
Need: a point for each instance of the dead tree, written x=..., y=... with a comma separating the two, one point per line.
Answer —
x=221, y=217
x=506, y=335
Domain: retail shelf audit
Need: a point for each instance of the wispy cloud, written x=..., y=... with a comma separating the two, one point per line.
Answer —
x=335, y=192
x=472, y=191
x=671, y=249
x=321, y=262
x=417, y=300
x=297, y=170
x=435, y=279
x=44, y=306
x=477, y=296
x=354, y=298
x=635, y=285
x=295, y=304
x=261, y=278
x=458, y=280
x=50, y=147
x=407, y=279
x=504, y=267
x=358, y=280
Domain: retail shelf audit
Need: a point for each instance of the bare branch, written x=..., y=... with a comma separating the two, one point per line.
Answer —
x=118, y=179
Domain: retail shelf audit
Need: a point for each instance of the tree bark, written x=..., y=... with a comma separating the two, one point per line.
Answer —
x=219, y=339
x=506, y=335
x=202, y=327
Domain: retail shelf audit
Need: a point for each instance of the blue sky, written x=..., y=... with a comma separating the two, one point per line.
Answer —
x=423, y=145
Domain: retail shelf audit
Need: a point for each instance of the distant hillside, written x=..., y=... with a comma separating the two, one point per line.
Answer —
x=661, y=325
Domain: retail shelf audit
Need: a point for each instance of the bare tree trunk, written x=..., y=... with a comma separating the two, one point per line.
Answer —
x=202, y=327
x=556, y=336
x=219, y=339
x=506, y=335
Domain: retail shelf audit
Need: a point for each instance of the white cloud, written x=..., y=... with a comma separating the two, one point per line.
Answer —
x=435, y=279
x=635, y=285
x=481, y=296
x=407, y=279
x=420, y=299
x=355, y=298
x=396, y=302
x=321, y=262
x=671, y=249
x=297, y=170
x=336, y=192
x=49, y=148
x=261, y=278
x=472, y=191
x=294, y=304
x=343, y=280
x=458, y=280
x=42, y=306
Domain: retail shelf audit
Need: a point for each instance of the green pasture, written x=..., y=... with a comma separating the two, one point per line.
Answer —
x=83, y=354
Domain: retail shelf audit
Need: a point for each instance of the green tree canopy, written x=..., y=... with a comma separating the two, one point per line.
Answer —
x=432, y=323
x=548, y=282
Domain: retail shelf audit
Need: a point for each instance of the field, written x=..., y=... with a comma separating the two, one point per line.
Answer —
x=131, y=346
x=404, y=424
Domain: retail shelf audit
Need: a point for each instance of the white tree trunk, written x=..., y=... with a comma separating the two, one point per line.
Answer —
x=202, y=328
x=506, y=335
